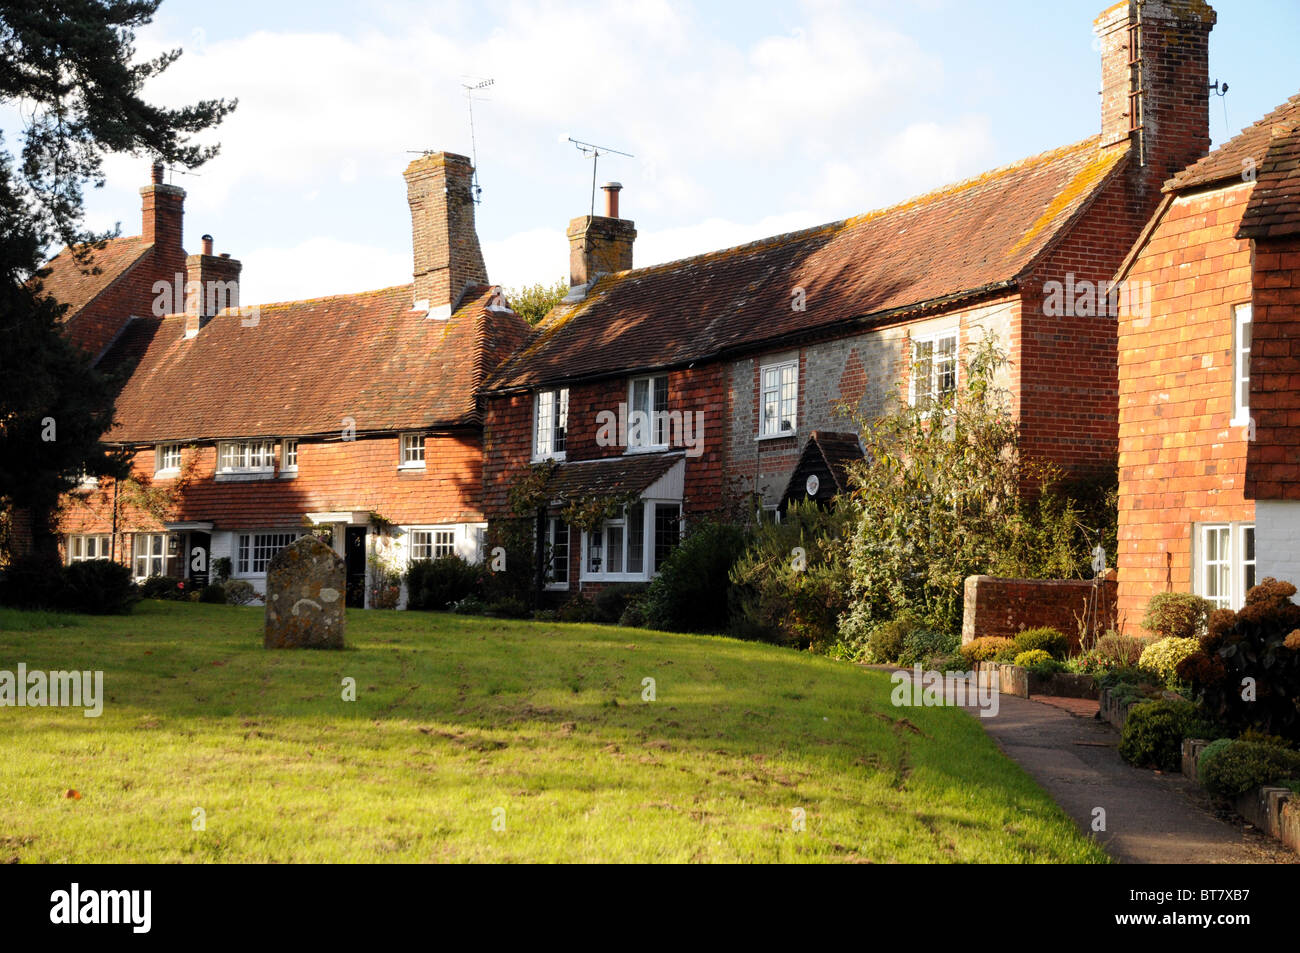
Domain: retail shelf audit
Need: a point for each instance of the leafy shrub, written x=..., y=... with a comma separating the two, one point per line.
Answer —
x=989, y=648
x=508, y=608
x=633, y=616
x=1264, y=738
x=437, y=583
x=1211, y=751
x=213, y=592
x=240, y=592
x=1033, y=657
x=1052, y=641
x=1177, y=615
x=885, y=641
x=1162, y=656
x=32, y=584
x=920, y=644
x=1154, y=731
x=99, y=587
x=1120, y=650
x=1239, y=766
x=611, y=602
x=470, y=605
x=1255, y=643
x=791, y=584
x=693, y=589
x=162, y=587
x=543, y=615
x=577, y=608
x=222, y=568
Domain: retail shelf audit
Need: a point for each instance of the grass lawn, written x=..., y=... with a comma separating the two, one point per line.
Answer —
x=457, y=717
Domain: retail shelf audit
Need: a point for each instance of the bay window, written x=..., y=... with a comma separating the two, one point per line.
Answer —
x=633, y=545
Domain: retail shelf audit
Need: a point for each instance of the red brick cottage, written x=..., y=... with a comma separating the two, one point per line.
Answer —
x=1209, y=408
x=251, y=425
x=732, y=360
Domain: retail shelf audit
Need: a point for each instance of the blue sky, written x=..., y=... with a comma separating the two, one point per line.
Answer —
x=746, y=119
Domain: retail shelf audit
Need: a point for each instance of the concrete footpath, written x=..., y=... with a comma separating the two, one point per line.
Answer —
x=1151, y=818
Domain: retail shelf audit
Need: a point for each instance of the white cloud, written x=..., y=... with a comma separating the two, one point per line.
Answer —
x=319, y=267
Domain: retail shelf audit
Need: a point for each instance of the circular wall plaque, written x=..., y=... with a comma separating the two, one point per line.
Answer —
x=813, y=484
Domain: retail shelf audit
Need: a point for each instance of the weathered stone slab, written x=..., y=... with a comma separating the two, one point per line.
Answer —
x=304, y=597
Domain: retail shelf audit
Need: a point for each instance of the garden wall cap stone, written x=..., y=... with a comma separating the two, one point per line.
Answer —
x=304, y=597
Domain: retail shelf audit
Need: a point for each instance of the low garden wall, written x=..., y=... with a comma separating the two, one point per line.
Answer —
x=1273, y=809
x=1003, y=607
x=1018, y=681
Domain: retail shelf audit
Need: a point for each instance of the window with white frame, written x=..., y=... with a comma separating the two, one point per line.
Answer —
x=779, y=399
x=167, y=458
x=412, y=451
x=254, y=551
x=288, y=456
x=934, y=369
x=246, y=456
x=82, y=548
x=634, y=545
x=1241, y=335
x=557, y=551
x=1224, y=563
x=150, y=552
x=647, y=419
x=551, y=424
x=432, y=543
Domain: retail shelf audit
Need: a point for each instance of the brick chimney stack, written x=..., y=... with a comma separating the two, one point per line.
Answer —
x=447, y=254
x=600, y=244
x=211, y=285
x=163, y=212
x=1155, y=77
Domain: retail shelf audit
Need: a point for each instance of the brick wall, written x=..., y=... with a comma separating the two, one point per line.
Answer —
x=1273, y=458
x=445, y=243
x=94, y=326
x=1004, y=607
x=1180, y=459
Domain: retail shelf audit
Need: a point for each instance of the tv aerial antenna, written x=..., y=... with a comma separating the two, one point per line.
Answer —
x=471, y=88
x=594, y=152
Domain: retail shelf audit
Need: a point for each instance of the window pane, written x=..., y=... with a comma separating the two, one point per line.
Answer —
x=667, y=531
x=561, y=431
x=614, y=546
x=594, y=538
x=636, y=538
x=559, y=551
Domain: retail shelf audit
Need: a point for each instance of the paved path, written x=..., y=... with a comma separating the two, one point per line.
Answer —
x=1151, y=818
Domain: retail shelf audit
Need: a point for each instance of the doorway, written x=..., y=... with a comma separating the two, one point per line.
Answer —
x=354, y=566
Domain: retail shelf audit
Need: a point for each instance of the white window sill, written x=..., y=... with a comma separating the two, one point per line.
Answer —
x=662, y=448
x=777, y=436
x=166, y=473
x=557, y=587
x=411, y=466
x=288, y=473
x=543, y=458
x=243, y=476
x=616, y=577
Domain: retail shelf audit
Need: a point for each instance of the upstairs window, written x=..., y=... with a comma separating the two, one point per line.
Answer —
x=246, y=456
x=412, y=451
x=1241, y=336
x=934, y=370
x=779, y=399
x=551, y=424
x=289, y=456
x=647, y=419
x=432, y=543
x=167, y=458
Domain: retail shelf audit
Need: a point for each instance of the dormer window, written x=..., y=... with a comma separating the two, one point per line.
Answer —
x=551, y=424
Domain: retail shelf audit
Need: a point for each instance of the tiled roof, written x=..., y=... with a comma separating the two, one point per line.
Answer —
x=1229, y=160
x=610, y=476
x=76, y=284
x=970, y=237
x=305, y=366
x=1274, y=207
x=838, y=450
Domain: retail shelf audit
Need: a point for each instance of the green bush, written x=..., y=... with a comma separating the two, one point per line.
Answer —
x=508, y=607
x=240, y=592
x=162, y=587
x=1161, y=658
x=213, y=592
x=1260, y=644
x=1154, y=731
x=886, y=640
x=1045, y=638
x=1033, y=657
x=30, y=583
x=633, y=616
x=920, y=644
x=692, y=592
x=99, y=587
x=437, y=583
x=1238, y=766
x=988, y=648
x=577, y=608
x=470, y=605
x=1177, y=615
x=612, y=601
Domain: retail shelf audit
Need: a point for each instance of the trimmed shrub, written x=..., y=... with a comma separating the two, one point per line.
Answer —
x=1162, y=656
x=1154, y=731
x=1033, y=657
x=692, y=592
x=1045, y=638
x=989, y=648
x=162, y=587
x=1239, y=766
x=1177, y=615
x=612, y=601
x=240, y=592
x=437, y=583
x=99, y=587
x=920, y=644
x=213, y=592
x=1259, y=643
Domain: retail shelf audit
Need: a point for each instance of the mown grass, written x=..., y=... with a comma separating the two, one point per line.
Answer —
x=456, y=717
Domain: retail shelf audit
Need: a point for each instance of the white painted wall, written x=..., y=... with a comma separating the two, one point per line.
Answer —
x=1277, y=540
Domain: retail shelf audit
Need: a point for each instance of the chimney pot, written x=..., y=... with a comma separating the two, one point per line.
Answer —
x=156, y=172
x=207, y=244
x=611, y=198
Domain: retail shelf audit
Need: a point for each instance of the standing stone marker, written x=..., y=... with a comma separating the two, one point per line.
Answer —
x=304, y=597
